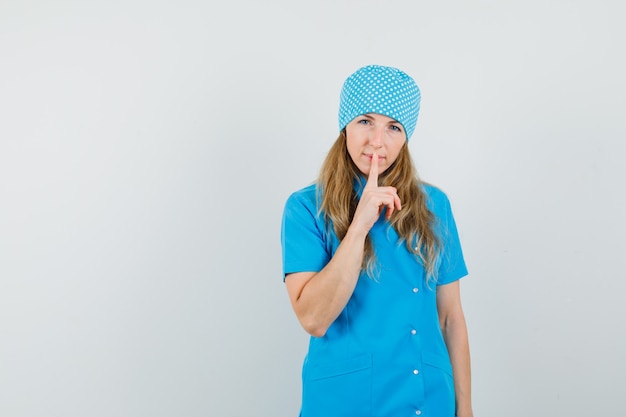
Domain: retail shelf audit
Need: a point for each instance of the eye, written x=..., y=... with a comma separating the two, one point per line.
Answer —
x=396, y=128
x=364, y=121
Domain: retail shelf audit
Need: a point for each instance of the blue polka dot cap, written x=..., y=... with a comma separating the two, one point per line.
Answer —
x=383, y=90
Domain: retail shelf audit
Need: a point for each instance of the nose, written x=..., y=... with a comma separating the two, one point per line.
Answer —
x=376, y=138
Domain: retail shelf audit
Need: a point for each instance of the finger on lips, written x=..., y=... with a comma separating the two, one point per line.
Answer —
x=373, y=176
x=372, y=182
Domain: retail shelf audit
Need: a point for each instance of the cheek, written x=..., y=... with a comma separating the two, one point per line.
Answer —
x=398, y=148
x=352, y=151
x=354, y=155
x=393, y=155
x=353, y=147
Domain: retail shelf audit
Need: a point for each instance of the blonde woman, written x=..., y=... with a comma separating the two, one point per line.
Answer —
x=372, y=262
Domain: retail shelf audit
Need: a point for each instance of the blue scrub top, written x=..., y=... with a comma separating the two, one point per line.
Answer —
x=385, y=354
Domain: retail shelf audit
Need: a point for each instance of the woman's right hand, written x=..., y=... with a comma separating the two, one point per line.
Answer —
x=374, y=200
x=319, y=297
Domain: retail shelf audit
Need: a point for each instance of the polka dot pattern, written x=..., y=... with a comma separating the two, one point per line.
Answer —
x=383, y=90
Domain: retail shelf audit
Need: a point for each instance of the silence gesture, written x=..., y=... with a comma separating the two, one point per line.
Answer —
x=374, y=199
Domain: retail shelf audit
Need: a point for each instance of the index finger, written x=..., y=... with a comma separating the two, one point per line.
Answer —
x=372, y=179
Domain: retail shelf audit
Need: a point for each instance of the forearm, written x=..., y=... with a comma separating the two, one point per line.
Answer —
x=326, y=294
x=455, y=336
x=319, y=298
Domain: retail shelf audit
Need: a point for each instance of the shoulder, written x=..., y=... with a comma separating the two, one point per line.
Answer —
x=301, y=215
x=306, y=194
x=437, y=199
x=303, y=199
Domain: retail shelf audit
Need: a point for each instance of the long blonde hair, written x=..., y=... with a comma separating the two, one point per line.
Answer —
x=414, y=223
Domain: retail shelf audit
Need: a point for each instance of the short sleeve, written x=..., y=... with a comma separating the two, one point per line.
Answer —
x=452, y=263
x=302, y=235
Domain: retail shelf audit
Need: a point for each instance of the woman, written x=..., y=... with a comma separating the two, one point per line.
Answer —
x=371, y=260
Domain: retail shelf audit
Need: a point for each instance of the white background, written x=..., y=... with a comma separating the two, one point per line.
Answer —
x=147, y=149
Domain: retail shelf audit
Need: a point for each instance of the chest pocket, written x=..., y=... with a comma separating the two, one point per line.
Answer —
x=338, y=389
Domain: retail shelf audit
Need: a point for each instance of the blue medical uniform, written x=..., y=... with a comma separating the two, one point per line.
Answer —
x=384, y=356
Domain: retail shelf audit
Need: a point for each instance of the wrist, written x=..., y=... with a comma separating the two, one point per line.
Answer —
x=356, y=233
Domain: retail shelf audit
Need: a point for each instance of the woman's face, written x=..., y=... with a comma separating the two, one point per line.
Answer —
x=373, y=133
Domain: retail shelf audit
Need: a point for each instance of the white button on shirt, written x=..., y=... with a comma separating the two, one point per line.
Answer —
x=413, y=331
x=416, y=289
x=415, y=371
x=418, y=413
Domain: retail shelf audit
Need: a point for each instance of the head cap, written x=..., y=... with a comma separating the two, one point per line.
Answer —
x=383, y=90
